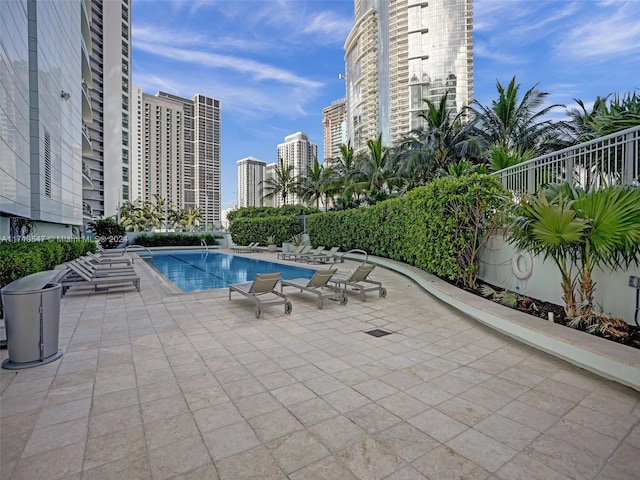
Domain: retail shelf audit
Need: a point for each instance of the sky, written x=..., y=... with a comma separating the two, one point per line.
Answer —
x=275, y=64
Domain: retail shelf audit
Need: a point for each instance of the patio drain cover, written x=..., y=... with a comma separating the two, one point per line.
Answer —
x=378, y=333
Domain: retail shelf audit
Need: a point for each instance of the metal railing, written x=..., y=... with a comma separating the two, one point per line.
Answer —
x=610, y=160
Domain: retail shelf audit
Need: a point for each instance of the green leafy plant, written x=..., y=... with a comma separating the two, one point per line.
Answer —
x=109, y=233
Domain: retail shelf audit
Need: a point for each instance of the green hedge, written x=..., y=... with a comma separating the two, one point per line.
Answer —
x=174, y=240
x=436, y=227
x=19, y=259
x=261, y=212
x=246, y=230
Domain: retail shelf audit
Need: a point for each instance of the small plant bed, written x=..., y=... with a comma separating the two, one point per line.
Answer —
x=599, y=324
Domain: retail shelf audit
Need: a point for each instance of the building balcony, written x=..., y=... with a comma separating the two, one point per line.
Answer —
x=86, y=64
x=87, y=182
x=85, y=22
x=87, y=111
x=87, y=148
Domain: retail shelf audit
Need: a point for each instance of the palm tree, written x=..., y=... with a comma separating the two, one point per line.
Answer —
x=345, y=169
x=552, y=230
x=598, y=228
x=191, y=216
x=376, y=171
x=314, y=186
x=603, y=119
x=518, y=124
x=282, y=183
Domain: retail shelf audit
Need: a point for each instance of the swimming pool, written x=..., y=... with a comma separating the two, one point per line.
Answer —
x=203, y=270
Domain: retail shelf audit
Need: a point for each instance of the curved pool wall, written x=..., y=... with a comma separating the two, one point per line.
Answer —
x=202, y=270
x=608, y=359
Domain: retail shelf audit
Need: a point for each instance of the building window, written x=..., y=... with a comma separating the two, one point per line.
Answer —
x=47, y=164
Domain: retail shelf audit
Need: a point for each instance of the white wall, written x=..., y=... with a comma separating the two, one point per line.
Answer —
x=612, y=295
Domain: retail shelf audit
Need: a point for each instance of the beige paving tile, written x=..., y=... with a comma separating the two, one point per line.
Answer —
x=134, y=466
x=251, y=464
x=230, y=440
x=312, y=411
x=324, y=469
x=506, y=431
x=406, y=441
x=585, y=439
x=170, y=430
x=345, y=400
x=114, y=446
x=296, y=451
x=163, y=408
x=55, y=436
x=566, y=459
x=524, y=467
x=437, y=425
x=482, y=449
x=338, y=433
x=528, y=416
x=370, y=460
x=178, y=458
x=463, y=411
x=443, y=463
x=372, y=418
x=403, y=405
x=275, y=424
x=53, y=464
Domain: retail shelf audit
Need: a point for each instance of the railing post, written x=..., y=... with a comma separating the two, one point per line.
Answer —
x=631, y=159
x=568, y=169
x=531, y=178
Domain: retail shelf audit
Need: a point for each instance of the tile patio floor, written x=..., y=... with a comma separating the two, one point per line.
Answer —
x=159, y=385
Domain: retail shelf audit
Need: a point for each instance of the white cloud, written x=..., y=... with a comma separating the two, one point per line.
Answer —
x=613, y=33
x=257, y=70
x=482, y=49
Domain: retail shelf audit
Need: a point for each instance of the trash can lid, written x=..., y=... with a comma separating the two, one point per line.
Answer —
x=31, y=283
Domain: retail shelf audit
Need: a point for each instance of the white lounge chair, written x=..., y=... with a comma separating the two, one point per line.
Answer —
x=318, y=285
x=262, y=291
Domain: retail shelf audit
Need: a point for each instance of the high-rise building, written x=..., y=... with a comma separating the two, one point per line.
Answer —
x=399, y=53
x=334, y=127
x=110, y=57
x=176, y=151
x=157, y=148
x=251, y=174
x=297, y=152
x=44, y=49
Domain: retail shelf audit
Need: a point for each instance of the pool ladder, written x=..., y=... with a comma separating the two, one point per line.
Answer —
x=204, y=244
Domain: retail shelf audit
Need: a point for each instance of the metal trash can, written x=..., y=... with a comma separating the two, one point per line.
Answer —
x=31, y=308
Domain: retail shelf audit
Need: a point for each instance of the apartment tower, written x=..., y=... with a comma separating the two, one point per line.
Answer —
x=297, y=152
x=251, y=173
x=334, y=129
x=176, y=151
x=110, y=59
x=399, y=53
x=44, y=48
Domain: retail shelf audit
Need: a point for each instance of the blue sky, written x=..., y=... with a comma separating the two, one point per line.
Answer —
x=274, y=64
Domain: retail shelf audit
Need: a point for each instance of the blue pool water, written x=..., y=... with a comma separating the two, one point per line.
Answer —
x=191, y=271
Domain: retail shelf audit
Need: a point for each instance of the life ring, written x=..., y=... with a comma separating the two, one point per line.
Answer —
x=522, y=265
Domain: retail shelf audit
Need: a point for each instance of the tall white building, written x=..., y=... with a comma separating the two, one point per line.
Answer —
x=251, y=174
x=43, y=47
x=176, y=151
x=110, y=59
x=334, y=129
x=399, y=53
x=297, y=152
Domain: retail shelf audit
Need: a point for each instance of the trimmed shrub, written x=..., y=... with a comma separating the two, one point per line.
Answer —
x=439, y=227
x=261, y=212
x=174, y=240
x=19, y=259
x=109, y=233
x=282, y=228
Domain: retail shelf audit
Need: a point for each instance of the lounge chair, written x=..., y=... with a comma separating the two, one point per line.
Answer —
x=318, y=285
x=300, y=250
x=109, y=259
x=358, y=280
x=301, y=256
x=322, y=257
x=76, y=275
x=263, y=286
x=102, y=269
x=246, y=248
